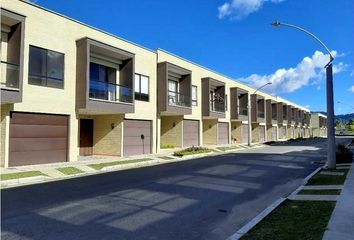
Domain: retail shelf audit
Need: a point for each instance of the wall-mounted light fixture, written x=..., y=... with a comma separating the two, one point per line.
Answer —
x=112, y=126
x=173, y=124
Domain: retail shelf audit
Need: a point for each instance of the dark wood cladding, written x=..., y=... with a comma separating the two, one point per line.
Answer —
x=84, y=47
x=15, y=54
x=257, y=104
x=206, y=111
x=37, y=138
x=163, y=105
x=235, y=103
x=270, y=104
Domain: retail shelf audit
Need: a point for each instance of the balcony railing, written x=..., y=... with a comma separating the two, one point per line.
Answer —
x=178, y=99
x=260, y=114
x=110, y=92
x=10, y=75
x=217, y=106
x=243, y=111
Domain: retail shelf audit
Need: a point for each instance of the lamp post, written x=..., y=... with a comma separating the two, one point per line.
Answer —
x=331, y=144
x=249, y=113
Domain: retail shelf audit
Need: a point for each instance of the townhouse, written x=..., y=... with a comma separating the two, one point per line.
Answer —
x=69, y=90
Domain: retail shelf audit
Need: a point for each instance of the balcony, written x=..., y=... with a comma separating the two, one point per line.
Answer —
x=258, y=106
x=104, y=78
x=12, y=40
x=174, y=88
x=110, y=92
x=178, y=99
x=238, y=104
x=213, y=98
x=10, y=76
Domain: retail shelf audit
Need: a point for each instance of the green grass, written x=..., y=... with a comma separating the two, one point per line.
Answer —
x=163, y=146
x=192, y=150
x=294, y=220
x=166, y=157
x=320, y=179
x=227, y=148
x=321, y=192
x=69, y=170
x=99, y=166
x=9, y=176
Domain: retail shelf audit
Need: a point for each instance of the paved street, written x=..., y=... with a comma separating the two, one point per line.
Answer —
x=208, y=198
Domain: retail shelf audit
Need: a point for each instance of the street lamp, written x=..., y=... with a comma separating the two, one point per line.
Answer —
x=249, y=113
x=331, y=145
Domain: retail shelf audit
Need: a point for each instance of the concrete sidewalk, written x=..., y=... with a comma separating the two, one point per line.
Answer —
x=51, y=172
x=341, y=224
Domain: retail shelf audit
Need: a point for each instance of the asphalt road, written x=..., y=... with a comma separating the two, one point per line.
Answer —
x=207, y=198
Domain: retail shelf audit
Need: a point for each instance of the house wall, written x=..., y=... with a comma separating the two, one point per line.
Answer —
x=171, y=130
x=210, y=131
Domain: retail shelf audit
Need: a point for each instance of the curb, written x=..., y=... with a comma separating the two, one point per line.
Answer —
x=21, y=181
x=256, y=220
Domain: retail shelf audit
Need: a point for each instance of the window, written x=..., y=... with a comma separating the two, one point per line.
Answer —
x=194, y=96
x=103, y=82
x=46, y=68
x=172, y=91
x=141, y=86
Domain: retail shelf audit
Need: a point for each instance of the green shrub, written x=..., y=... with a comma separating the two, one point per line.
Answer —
x=191, y=150
x=343, y=154
x=167, y=146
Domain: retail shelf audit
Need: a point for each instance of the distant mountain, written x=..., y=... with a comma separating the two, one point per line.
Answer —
x=341, y=117
x=344, y=117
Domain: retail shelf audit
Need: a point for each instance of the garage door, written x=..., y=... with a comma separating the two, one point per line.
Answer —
x=223, y=133
x=261, y=133
x=37, y=138
x=190, y=133
x=137, y=137
x=244, y=133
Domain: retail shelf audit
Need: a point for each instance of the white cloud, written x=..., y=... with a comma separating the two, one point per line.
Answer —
x=238, y=9
x=351, y=88
x=309, y=71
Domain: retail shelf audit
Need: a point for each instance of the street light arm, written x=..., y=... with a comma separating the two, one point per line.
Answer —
x=277, y=23
x=268, y=83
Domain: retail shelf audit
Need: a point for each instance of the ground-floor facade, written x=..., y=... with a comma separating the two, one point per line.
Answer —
x=38, y=137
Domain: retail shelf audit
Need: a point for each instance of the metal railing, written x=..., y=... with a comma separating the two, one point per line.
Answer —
x=260, y=114
x=10, y=75
x=110, y=92
x=178, y=99
x=243, y=111
x=217, y=106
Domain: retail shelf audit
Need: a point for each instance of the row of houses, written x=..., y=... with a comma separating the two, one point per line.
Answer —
x=70, y=90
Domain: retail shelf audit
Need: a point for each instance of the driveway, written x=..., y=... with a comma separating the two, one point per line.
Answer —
x=207, y=198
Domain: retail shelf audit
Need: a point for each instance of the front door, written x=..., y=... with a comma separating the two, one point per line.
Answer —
x=86, y=137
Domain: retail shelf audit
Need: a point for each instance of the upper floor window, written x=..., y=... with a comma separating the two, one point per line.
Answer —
x=194, y=96
x=46, y=67
x=141, y=86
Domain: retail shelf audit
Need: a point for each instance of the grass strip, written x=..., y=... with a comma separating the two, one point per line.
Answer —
x=9, y=176
x=321, y=179
x=294, y=220
x=321, y=192
x=191, y=152
x=69, y=170
x=99, y=166
x=166, y=157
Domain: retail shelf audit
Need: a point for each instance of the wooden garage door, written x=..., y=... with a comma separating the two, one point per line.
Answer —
x=223, y=133
x=261, y=133
x=190, y=133
x=137, y=137
x=244, y=133
x=37, y=138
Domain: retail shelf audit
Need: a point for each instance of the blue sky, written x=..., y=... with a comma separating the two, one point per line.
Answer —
x=234, y=37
